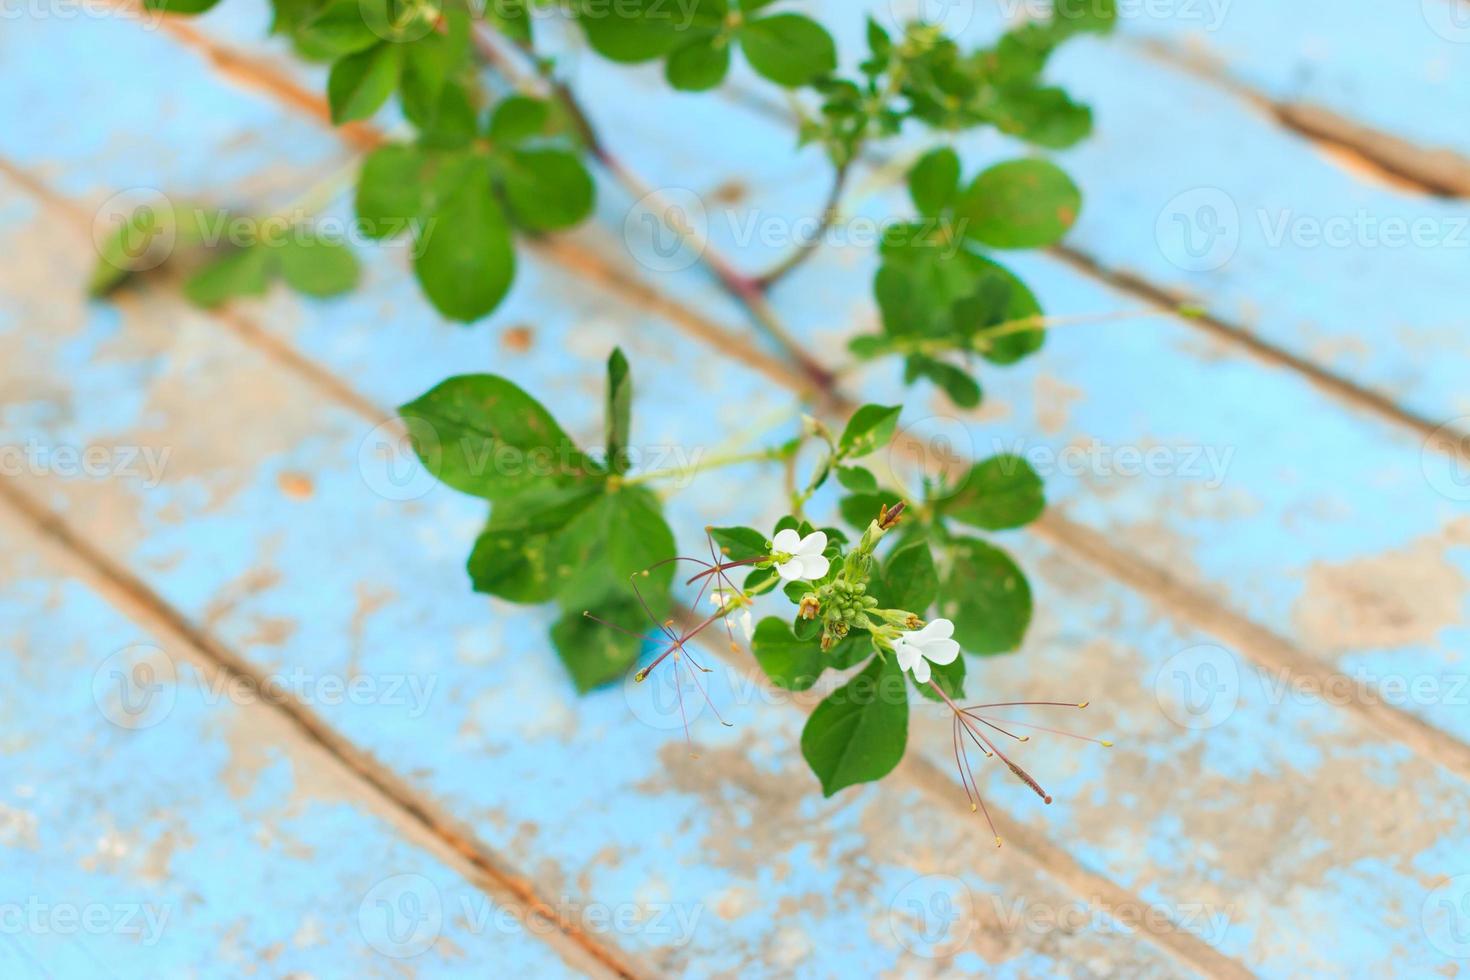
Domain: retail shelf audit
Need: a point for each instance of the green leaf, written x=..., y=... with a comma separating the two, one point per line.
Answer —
x=518, y=118
x=482, y=435
x=790, y=663
x=338, y=28
x=511, y=18
x=861, y=509
x=317, y=266
x=950, y=677
x=1019, y=204
x=179, y=6
x=360, y=83
x=1093, y=16
x=143, y=240
x=1044, y=116
x=631, y=30
x=700, y=65
x=986, y=596
x=789, y=49
x=935, y=180
x=450, y=123
x=595, y=654
x=998, y=493
x=851, y=650
x=909, y=580
x=870, y=429
x=512, y=558
x=466, y=259
x=619, y=411
x=547, y=189
x=427, y=64
x=403, y=184
x=244, y=272
x=513, y=565
x=955, y=382
x=859, y=732
x=1020, y=304
x=737, y=543
x=621, y=534
x=857, y=479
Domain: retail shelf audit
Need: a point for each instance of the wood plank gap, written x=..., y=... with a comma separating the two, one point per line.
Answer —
x=1388, y=158
x=1339, y=388
x=480, y=865
x=1256, y=642
x=1020, y=835
x=1261, y=644
x=258, y=75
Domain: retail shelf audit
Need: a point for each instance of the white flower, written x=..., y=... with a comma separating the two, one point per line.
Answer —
x=718, y=598
x=917, y=649
x=807, y=561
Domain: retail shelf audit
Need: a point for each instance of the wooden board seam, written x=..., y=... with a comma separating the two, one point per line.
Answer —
x=479, y=865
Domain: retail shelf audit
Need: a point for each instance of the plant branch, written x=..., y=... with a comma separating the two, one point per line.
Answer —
x=703, y=466
x=748, y=292
x=808, y=248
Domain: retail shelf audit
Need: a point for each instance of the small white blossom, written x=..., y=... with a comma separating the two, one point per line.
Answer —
x=807, y=561
x=932, y=644
x=719, y=598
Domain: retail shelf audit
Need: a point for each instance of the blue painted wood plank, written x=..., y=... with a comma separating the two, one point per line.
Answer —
x=847, y=297
x=246, y=534
x=1397, y=68
x=155, y=823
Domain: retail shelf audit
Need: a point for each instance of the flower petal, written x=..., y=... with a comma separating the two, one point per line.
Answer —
x=813, y=544
x=790, y=571
x=938, y=629
x=787, y=541
x=906, y=653
x=813, y=566
x=921, y=671
x=941, y=651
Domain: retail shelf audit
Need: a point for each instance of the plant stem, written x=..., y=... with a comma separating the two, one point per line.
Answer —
x=806, y=249
x=747, y=291
x=980, y=339
x=703, y=466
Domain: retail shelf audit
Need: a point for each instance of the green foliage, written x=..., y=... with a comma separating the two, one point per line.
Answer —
x=698, y=39
x=858, y=734
x=562, y=527
x=869, y=430
x=789, y=662
x=462, y=204
x=986, y=596
x=1019, y=204
x=998, y=493
x=310, y=265
x=487, y=163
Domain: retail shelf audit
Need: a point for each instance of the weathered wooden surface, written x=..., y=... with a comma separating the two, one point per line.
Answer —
x=1269, y=616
